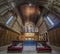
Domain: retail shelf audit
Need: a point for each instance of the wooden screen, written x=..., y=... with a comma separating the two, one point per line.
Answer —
x=54, y=36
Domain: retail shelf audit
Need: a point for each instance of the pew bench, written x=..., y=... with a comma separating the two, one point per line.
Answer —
x=43, y=49
x=17, y=48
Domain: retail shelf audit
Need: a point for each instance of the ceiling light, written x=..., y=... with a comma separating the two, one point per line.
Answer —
x=30, y=4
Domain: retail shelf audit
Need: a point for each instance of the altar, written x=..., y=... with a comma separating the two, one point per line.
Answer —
x=29, y=36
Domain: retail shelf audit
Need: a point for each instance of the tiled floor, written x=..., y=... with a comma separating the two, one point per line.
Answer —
x=27, y=50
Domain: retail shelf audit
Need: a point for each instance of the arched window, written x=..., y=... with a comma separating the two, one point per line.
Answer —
x=29, y=27
x=9, y=20
x=50, y=21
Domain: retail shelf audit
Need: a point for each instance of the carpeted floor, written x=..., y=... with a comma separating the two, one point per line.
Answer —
x=29, y=43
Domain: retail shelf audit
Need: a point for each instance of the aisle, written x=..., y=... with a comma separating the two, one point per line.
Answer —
x=29, y=50
x=26, y=50
x=29, y=43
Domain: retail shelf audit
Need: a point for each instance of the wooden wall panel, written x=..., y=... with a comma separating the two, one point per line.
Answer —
x=58, y=36
x=54, y=36
x=7, y=36
x=50, y=37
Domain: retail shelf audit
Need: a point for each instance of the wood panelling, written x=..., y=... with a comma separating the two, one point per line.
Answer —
x=7, y=36
x=54, y=36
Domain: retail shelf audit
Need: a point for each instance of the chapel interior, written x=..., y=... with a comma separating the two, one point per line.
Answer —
x=30, y=26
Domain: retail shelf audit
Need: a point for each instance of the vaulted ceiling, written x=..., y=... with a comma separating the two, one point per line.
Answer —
x=30, y=13
x=38, y=2
x=30, y=10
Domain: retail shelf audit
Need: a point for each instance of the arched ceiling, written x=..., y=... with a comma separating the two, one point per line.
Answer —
x=40, y=4
x=30, y=13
